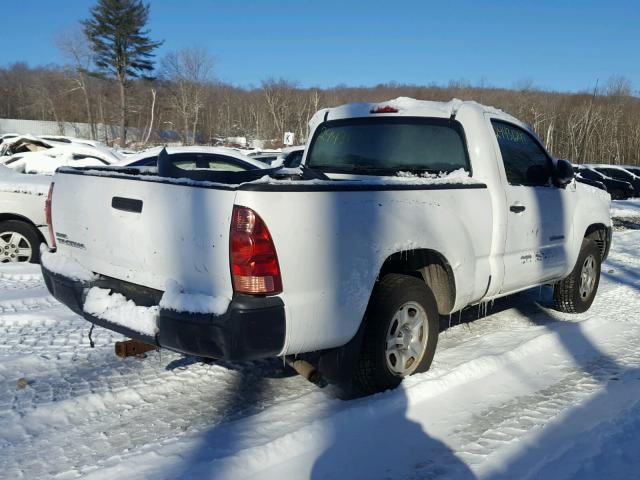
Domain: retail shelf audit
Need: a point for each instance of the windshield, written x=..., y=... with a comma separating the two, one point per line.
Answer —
x=388, y=145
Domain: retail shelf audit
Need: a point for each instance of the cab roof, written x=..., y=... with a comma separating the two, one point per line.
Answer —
x=405, y=107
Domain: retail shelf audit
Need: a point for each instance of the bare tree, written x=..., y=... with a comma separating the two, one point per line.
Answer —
x=187, y=72
x=73, y=44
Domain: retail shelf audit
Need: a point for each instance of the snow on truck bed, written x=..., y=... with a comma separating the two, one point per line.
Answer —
x=525, y=392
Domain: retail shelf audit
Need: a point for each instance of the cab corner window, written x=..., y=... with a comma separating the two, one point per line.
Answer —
x=525, y=161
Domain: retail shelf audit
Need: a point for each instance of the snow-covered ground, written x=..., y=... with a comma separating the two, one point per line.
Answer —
x=524, y=392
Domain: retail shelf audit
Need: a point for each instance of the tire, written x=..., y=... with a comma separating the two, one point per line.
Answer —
x=394, y=299
x=575, y=293
x=19, y=242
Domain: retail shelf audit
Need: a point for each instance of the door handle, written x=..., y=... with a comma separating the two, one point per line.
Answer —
x=517, y=208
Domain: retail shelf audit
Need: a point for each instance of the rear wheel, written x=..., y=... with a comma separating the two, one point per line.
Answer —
x=575, y=293
x=400, y=336
x=19, y=242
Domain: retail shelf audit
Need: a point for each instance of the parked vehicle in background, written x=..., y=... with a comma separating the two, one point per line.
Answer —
x=23, y=225
x=265, y=156
x=291, y=157
x=593, y=183
x=635, y=169
x=619, y=173
x=210, y=158
x=29, y=154
x=7, y=136
x=26, y=165
x=404, y=211
x=618, y=189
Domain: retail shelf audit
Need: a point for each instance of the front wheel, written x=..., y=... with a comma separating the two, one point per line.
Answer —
x=19, y=242
x=400, y=336
x=576, y=292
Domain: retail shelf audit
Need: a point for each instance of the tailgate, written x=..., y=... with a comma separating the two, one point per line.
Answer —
x=146, y=232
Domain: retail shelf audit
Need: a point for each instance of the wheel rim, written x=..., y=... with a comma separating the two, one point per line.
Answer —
x=587, y=276
x=406, y=339
x=14, y=248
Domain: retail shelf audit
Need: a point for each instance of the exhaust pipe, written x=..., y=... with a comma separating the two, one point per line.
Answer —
x=305, y=369
x=131, y=348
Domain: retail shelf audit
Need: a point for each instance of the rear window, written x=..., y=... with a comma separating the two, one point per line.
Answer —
x=386, y=146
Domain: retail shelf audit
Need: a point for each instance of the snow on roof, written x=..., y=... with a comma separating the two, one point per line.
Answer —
x=406, y=106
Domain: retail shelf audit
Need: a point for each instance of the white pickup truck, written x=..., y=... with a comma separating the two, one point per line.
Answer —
x=402, y=211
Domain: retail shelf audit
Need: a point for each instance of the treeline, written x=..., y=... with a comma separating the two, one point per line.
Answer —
x=602, y=126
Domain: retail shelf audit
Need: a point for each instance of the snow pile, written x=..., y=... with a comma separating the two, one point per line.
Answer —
x=175, y=299
x=115, y=308
x=625, y=208
x=64, y=265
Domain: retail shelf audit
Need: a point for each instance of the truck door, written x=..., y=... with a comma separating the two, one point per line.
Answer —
x=539, y=214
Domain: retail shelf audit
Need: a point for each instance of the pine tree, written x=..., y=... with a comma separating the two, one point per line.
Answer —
x=121, y=45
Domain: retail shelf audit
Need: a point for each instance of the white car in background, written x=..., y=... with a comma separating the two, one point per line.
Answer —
x=23, y=226
x=29, y=154
x=26, y=165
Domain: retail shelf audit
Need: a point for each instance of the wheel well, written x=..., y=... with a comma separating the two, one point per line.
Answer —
x=598, y=233
x=430, y=266
x=12, y=216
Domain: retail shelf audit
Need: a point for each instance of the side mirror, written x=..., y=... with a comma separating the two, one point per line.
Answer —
x=563, y=174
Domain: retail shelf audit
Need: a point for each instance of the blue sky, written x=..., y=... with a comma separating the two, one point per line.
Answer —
x=557, y=45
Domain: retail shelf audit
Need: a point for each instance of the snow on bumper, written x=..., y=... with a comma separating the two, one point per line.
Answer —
x=243, y=328
x=117, y=309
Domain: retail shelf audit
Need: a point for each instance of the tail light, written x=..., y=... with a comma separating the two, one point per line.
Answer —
x=47, y=216
x=385, y=109
x=254, y=263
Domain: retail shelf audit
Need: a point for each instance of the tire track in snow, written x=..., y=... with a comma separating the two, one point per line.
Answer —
x=505, y=424
x=20, y=281
x=29, y=304
x=169, y=404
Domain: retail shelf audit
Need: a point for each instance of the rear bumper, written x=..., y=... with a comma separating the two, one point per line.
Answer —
x=252, y=327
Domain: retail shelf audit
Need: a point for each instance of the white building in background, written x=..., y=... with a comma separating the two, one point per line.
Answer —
x=105, y=133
